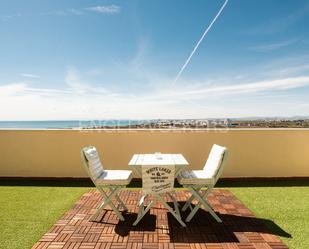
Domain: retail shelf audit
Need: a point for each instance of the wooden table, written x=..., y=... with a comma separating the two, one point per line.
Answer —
x=158, y=178
x=157, y=159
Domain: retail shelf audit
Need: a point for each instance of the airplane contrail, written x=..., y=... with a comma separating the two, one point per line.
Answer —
x=199, y=42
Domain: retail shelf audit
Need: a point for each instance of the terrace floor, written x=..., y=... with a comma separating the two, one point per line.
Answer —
x=240, y=228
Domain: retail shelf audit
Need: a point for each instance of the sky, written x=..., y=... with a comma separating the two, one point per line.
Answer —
x=73, y=59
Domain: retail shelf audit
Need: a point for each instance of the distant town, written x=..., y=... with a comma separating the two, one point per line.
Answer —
x=207, y=123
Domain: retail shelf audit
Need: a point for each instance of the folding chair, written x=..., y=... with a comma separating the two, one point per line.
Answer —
x=195, y=180
x=114, y=180
x=158, y=180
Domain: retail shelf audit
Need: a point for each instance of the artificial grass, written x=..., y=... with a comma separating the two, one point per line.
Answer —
x=30, y=209
x=27, y=212
x=286, y=207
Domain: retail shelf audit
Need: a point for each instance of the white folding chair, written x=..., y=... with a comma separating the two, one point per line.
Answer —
x=158, y=180
x=114, y=180
x=195, y=180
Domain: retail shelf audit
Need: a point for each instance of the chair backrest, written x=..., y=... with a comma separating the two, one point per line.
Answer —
x=216, y=161
x=92, y=162
x=158, y=179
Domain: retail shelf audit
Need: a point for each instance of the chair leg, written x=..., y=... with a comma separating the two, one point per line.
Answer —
x=94, y=216
x=120, y=201
x=203, y=202
x=174, y=213
x=142, y=211
x=116, y=209
x=176, y=204
x=107, y=200
x=188, y=202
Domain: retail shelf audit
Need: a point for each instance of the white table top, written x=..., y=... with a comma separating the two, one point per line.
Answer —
x=158, y=159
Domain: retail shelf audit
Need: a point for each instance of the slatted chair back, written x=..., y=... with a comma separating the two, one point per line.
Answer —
x=92, y=162
x=216, y=161
x=158, y=179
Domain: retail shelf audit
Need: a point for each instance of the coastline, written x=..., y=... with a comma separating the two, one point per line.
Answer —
x=159, y=124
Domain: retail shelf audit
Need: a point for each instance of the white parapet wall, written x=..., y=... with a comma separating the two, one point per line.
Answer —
x=252, y=152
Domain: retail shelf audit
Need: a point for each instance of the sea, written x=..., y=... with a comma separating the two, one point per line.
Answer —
x=67, y=124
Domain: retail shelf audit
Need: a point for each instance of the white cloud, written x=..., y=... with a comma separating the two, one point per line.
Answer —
x=75, y=11
x=12, y=89
x=83, y=100
x=28, y=75
x=6, y=18
x=244, y=88
x=294, y=69
x=272, y=46
x=108, y=9
x=78, y=85
x=67, y=12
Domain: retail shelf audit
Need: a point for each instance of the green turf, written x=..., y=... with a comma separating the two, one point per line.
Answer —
x=285, y=208
x=30, y=209
x=27, y=212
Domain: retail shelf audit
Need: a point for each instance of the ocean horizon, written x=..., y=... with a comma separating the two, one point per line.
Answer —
x=66, y=124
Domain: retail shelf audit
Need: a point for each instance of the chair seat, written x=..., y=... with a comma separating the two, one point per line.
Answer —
x=195, y=177
x=115, y=177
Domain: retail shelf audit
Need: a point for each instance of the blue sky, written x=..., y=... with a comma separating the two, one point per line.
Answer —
x=119, y=59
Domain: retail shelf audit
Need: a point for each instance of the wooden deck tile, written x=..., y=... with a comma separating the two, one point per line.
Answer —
x=240, y=229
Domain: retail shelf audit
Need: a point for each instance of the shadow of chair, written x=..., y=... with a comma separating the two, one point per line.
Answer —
x=203, y=228
x=123, y=228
